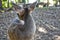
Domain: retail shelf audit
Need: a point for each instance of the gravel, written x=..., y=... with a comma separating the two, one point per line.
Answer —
x=47, y=23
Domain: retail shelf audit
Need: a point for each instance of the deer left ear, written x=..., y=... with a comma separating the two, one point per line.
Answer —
x=15, y=6
x=32, y=6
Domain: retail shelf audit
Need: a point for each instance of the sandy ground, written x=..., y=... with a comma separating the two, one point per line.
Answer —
x=47, y=23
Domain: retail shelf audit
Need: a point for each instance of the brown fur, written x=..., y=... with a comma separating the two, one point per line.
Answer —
x=26, y=31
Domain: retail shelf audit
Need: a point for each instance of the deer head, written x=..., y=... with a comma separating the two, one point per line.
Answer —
x=24, y=10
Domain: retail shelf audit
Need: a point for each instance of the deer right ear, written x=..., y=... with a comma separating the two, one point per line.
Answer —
x=32, y=6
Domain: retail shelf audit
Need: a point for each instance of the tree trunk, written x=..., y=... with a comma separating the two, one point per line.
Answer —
x=8, y=4
x=0, y=3
x=47, y=3
x=56, y=3
x=23, y=1
x=59, y=2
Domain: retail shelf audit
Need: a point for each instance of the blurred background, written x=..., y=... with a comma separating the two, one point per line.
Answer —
x=46, y=16
x=41, y=3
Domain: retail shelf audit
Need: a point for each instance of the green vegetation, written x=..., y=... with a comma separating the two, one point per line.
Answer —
x=7, y=3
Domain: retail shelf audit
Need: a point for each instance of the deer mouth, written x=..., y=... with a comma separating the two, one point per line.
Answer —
x=21, y=17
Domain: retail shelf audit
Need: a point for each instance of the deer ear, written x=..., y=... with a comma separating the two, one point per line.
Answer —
x=32, y=6
x=15, y=6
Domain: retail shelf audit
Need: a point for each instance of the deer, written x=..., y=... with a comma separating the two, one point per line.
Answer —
x=23, y=27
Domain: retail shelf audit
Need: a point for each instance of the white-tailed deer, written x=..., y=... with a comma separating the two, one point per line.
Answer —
x=23, y=28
